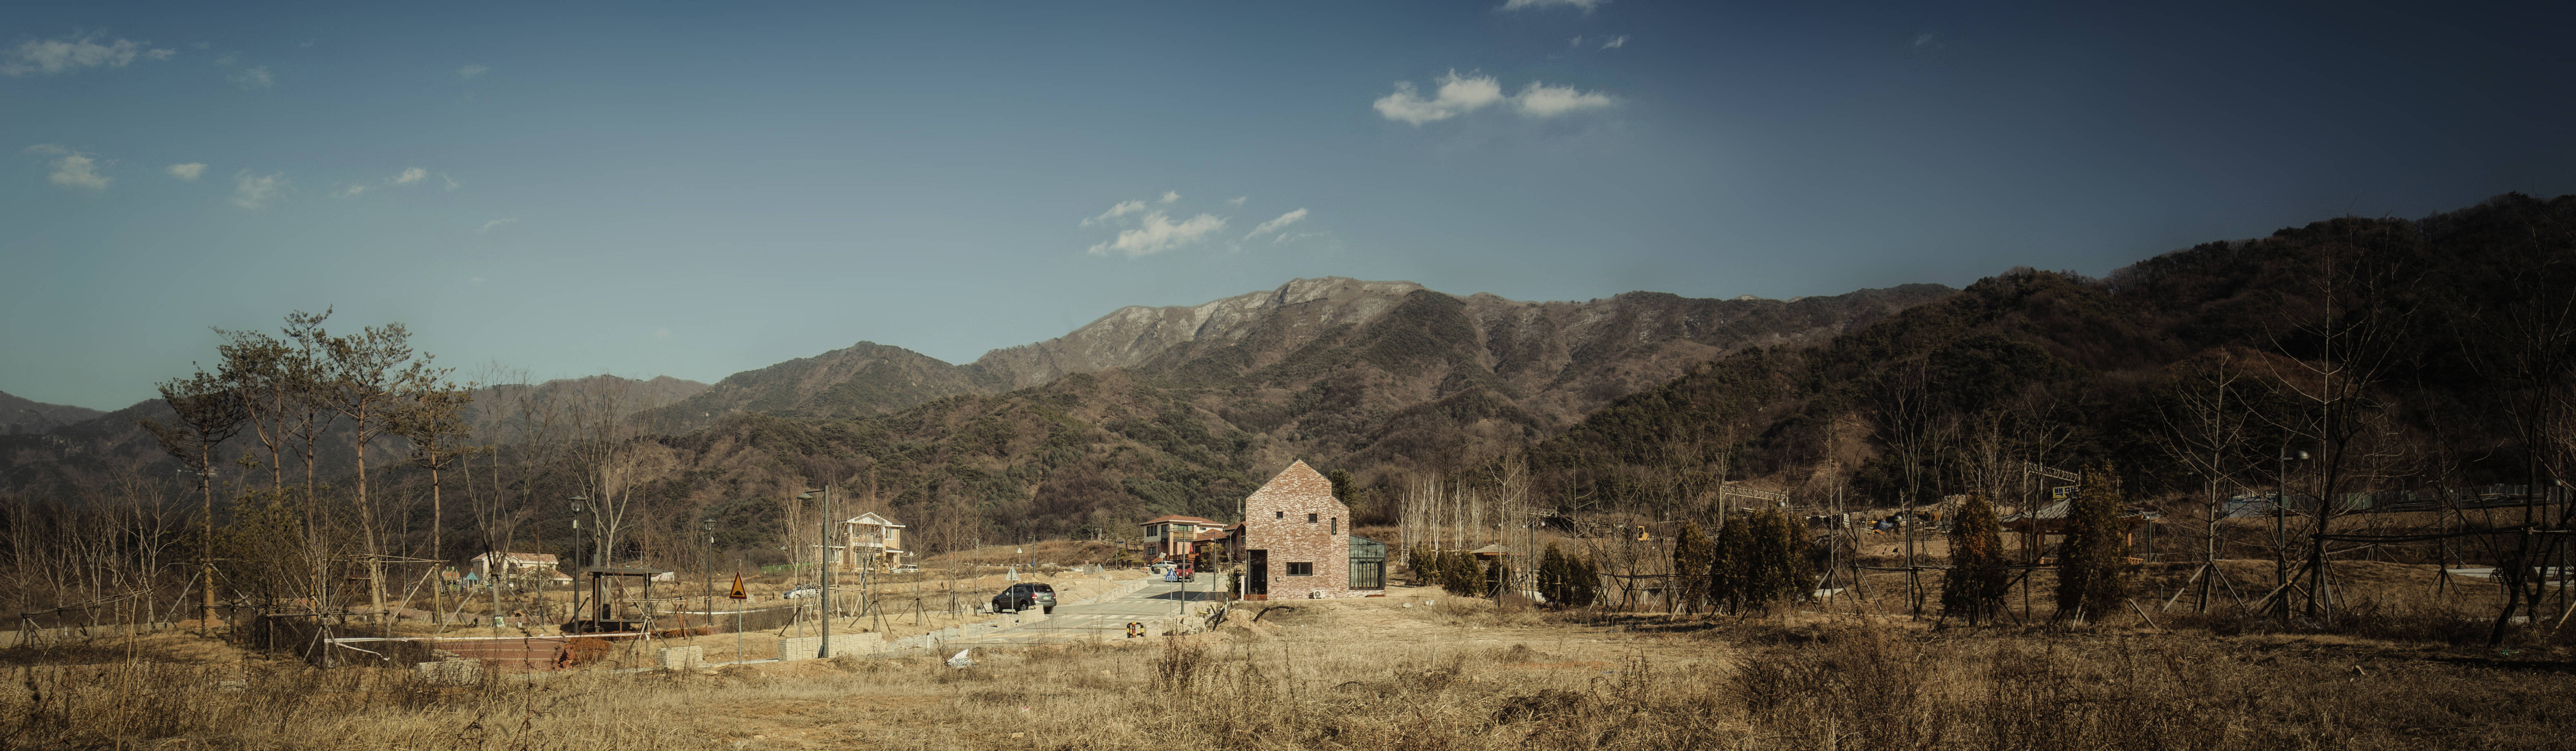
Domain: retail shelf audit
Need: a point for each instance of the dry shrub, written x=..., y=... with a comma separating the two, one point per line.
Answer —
x=590, y=651
x=2410, y=619
x=1180, y=665
x=1859, y=685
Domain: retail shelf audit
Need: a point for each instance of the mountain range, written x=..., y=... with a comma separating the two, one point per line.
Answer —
x=1145, y=410
x=1561, y=358
x=2451, y=336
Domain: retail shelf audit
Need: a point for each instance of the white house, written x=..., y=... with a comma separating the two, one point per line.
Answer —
x=869, y=541
x=524, y=569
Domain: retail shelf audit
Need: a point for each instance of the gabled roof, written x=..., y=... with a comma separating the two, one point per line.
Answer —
x=528, y=558
x=1213, y=534
x=871, y=519
x=1178, y=518
x=1298, y=480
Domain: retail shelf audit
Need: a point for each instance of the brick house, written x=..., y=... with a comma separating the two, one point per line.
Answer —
x=1296, y=539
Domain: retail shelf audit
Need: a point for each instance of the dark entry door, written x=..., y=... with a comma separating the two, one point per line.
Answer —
x=1259, y=582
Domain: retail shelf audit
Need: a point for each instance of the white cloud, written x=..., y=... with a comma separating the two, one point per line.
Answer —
x=189, y=172
x=471, y=71
x=252, y=78
x=1122, y=209
x=47, y=148
x=1158, y=233
x=1458, y=95
x=495, y=224
x=1614, y=43
x=1273, y=225
x=1586, y=5
x=410, y=175
x=452, y=184
x=1171, y=195
x=1541, y=100
x=51, y=56
x=350, y=191
x=1237, y=200
x=76, y=170
x=661, y=333
x=253, y=191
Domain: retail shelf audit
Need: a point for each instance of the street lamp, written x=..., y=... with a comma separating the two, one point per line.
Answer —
x=2280, y=526
x=825, y=650
x=579, y=504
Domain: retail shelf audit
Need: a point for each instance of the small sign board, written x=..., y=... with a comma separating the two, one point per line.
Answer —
x=738, y=594
x=2062, y=492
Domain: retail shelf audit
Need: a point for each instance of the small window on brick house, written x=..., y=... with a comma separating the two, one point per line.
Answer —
x=1337, y=525
x=1278, y=514
x=1310, y=518
x=1301, y=569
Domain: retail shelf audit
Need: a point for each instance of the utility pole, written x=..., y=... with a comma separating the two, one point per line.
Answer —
x=707, y=563
x=825, y=650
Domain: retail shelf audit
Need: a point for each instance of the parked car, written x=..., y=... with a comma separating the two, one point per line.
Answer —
x=1022, y=597
x=802, y=591
x=907, y=569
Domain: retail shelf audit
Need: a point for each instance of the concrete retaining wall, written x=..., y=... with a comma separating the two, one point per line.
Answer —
x=806, y=648
x=683, y=658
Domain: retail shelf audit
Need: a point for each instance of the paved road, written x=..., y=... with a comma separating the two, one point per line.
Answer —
x=1156, y=605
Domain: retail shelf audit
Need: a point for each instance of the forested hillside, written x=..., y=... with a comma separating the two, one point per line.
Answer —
x=2403, y=354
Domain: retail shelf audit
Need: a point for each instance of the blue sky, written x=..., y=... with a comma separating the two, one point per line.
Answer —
x=697, y=189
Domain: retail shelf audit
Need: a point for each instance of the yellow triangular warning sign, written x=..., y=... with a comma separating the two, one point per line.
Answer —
x=737, y=589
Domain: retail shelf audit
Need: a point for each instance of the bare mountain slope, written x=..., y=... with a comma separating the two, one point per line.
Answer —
x=1560, y=359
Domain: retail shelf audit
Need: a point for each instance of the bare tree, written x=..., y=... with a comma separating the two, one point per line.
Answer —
x=1906, y=424
x=430, y=415
x=603, y=417
x=2206, y=425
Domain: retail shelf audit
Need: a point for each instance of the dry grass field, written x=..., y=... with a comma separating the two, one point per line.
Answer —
x=1400, y=672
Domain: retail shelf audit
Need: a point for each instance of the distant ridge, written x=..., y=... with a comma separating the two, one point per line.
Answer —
x=21, y=415
x=1569, y=356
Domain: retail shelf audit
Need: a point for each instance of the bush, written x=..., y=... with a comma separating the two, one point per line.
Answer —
x=1693, y=559
x=1553, y=571
x=1583, y=581
x=1459, y=574
x=1976, y=583
x=2092, y=567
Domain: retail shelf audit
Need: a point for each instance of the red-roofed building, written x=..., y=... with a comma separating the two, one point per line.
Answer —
x=1172, y=534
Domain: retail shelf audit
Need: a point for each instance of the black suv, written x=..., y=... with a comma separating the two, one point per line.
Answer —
x=1025, y=597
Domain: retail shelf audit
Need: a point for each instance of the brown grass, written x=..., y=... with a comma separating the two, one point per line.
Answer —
x=1372, y=674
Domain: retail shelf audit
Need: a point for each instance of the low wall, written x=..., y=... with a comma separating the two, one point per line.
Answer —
x=807, y=647
x=683, y=658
